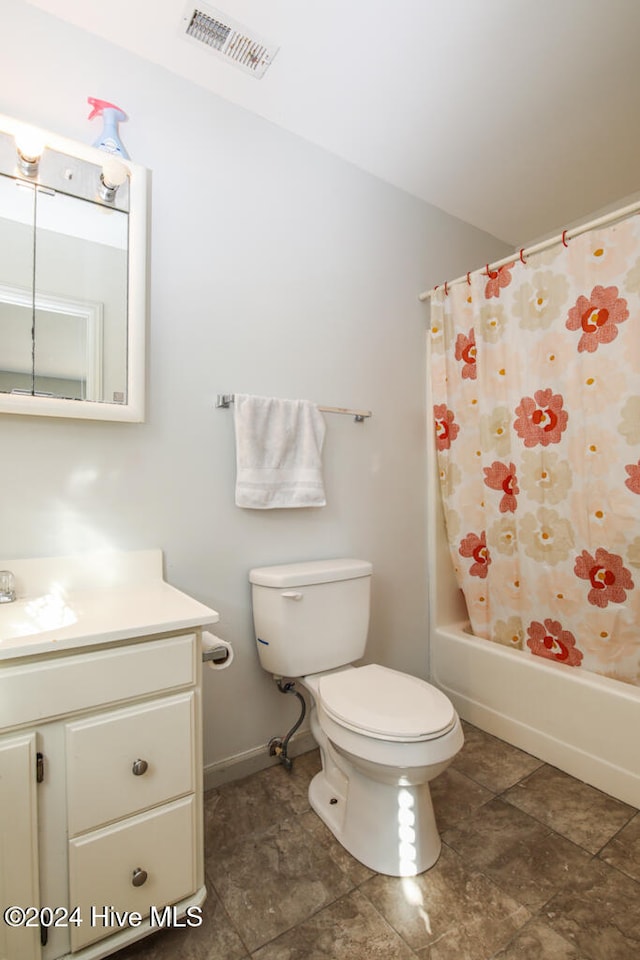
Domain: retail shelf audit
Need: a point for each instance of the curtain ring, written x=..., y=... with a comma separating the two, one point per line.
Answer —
x=521, y=255
x=564, y=234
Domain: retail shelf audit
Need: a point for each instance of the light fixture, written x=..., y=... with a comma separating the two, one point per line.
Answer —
x=113, y=176
x=29, y=145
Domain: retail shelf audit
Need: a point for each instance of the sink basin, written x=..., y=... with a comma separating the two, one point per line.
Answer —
x=24, y=618
x=67, y=603
x=54, y=592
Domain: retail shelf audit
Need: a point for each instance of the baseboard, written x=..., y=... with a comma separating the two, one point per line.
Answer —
x=251, y=761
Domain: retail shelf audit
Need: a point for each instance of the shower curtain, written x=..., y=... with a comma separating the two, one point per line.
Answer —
x=535, y=369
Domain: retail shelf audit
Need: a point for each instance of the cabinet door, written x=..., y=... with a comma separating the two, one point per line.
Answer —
x=18, y=843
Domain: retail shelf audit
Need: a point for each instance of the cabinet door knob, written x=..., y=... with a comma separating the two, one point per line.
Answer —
x=139, y=767
x=139, y=877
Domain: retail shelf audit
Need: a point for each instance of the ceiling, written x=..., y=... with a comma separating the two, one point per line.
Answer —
x=518, y=116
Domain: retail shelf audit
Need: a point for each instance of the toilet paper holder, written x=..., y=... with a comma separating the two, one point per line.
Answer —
x=216, y=655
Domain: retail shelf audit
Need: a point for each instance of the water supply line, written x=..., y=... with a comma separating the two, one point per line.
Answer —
x=278, y=745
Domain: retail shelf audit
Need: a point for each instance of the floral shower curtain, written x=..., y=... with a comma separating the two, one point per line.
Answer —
x=536, y=386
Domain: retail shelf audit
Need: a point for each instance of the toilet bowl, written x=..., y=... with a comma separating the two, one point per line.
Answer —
x=383, y=735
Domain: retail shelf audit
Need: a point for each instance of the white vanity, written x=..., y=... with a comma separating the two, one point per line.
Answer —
x=100, y=755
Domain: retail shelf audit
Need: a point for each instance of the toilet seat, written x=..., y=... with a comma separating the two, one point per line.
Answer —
x=385, y=704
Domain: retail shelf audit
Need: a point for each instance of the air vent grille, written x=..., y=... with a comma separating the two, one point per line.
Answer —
x=228, y=38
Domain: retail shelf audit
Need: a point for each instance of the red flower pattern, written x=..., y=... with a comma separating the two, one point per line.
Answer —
x=597, y=317
x=446, y=428
x=475, y=547
x=499, y=476
x=541, y=419
x=633, y=483
x=466, y=352
x=608, y=577
x=551, y=641
x=498, y=279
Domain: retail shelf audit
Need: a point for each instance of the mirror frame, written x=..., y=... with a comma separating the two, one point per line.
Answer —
x=134, y=409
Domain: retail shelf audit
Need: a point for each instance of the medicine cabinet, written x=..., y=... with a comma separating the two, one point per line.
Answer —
x=73, y=236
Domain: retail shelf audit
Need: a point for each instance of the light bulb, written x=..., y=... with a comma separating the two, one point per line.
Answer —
x=113, y=176
x=114, y=173
x=30, y=145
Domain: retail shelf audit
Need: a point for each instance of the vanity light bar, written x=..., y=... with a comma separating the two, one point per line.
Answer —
x=57, y=170
x=230, y=39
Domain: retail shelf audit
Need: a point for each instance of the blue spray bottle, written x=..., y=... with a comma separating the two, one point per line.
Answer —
x=111, y=115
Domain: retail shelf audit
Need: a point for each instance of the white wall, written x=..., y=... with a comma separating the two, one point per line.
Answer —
x=275, y=269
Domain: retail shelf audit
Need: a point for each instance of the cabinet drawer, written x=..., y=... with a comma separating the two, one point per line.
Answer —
x=122, y=762
x=39, y=690
x=102, y=866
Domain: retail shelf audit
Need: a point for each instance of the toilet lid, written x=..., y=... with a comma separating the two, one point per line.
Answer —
x=386, y=704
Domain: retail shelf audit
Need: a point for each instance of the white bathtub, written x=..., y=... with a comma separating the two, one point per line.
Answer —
x=587, y=725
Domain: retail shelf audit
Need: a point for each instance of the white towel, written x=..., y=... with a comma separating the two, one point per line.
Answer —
x=278, y=453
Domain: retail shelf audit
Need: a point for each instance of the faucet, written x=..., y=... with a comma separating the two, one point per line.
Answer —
x=7, y=586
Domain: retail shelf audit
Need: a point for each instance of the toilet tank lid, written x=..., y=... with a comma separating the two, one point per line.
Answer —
x=309, y=572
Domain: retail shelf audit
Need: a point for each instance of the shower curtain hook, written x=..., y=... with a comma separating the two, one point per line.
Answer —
x=521, y=255
x=564, y=234
x=468, y=277
x=446, y=289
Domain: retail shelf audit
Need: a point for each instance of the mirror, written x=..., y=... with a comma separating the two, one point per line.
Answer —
x=72, y=280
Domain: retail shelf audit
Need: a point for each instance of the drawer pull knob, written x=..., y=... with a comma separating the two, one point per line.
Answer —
x=139, y=767
x=139, y=877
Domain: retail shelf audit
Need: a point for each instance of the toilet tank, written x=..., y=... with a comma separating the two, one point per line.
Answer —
x=310, y=617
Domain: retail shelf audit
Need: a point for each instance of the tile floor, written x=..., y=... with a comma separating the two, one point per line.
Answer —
x=535, y=865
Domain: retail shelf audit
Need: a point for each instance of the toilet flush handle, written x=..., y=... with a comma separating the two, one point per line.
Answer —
x=291, y=595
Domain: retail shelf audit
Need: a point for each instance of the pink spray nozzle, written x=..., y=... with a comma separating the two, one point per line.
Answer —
x=100, y=105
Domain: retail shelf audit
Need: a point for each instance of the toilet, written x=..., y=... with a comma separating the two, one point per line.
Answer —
x=383, y=735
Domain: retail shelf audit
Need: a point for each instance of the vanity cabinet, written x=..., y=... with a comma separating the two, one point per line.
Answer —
x=100, y=793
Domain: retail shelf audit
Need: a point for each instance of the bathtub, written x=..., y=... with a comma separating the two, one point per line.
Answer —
x=584, y=724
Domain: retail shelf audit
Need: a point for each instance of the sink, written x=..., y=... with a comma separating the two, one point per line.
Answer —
x=53, y=593
x=72, y=603
x=24, y=618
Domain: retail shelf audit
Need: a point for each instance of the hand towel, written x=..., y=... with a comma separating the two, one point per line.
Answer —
x=278, y=453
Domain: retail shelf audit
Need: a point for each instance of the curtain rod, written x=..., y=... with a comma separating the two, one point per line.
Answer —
x=224, y=399
x=561, y=238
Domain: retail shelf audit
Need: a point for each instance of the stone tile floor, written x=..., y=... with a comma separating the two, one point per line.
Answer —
x=535, y=865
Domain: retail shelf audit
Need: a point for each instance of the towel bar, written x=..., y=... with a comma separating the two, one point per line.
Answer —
x=224, y=399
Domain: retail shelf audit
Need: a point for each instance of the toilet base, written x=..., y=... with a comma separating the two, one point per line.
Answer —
x=389, y=828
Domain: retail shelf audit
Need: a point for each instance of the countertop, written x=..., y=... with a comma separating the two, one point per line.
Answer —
x=72, y=603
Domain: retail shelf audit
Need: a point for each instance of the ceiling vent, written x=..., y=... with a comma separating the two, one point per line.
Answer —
x=228, y=38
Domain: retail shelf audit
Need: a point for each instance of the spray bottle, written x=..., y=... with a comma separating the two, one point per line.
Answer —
x=111, y=115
